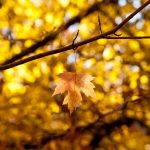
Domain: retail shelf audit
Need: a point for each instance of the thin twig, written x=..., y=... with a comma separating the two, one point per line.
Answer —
x=103, y=35
x=73, y=42
x=117, y=34
x=99, y=23
x=75, y=51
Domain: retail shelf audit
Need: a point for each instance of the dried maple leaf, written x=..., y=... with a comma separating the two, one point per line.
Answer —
x=73, y=83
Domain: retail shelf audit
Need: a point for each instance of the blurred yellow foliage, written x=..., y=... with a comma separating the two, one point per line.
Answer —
x=29, y=115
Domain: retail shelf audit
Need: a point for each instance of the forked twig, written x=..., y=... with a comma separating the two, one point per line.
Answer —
x=99, y=23
x=73, y=42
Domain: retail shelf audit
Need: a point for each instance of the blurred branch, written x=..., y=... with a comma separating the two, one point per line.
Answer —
x=98, y=128
x=105, y=35
x=99, y=133
x=108, y=128
x=44, y=141
x=54, y=34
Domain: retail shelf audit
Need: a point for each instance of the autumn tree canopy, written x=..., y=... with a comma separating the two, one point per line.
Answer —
x=75, y=74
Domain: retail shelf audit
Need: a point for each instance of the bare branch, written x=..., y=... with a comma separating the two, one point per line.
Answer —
x=102, y=36
x=66, y=48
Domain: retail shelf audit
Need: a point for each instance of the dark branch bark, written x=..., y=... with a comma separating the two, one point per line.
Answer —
x=107, y=129
x=59, y=50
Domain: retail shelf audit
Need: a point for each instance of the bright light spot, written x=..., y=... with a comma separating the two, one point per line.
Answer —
x=64, y=3
x=99, y=80
x=22, y=1
x=136, y=3
x=122, y=2
x=71, y=58
x=38, y=22
x=36, y=71
x=4, y=47
x=119, y=48
x=119, y=89
x=118, y=20
x=15, y=100
x=59, y=68
x=108, y=53
x=139, y=55
x=133, y=84
x=102, y=41
x=135, y=18
x=36, y=2
x=134, y=45
x=115, y=99
x=99, y=96
x=147, y=147
x=54, y=108
x=140, y=33
x=72, y=11
x=84, y=29
x=144, y=79
x=28, y=43
x=135, y=68
x=109, y=66
x=44, y=67
x=73, y=28
x=134, y=97
x=89, y=63
x=29, y=12
x=16, y=87
x=57, y=21
x=18, y=10
x=17, y=28
x=5, y=31
x=140, y=24
x=49, y=17
x=16, y=49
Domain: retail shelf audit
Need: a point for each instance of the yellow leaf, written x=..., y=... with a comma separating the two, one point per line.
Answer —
x=73, y=83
